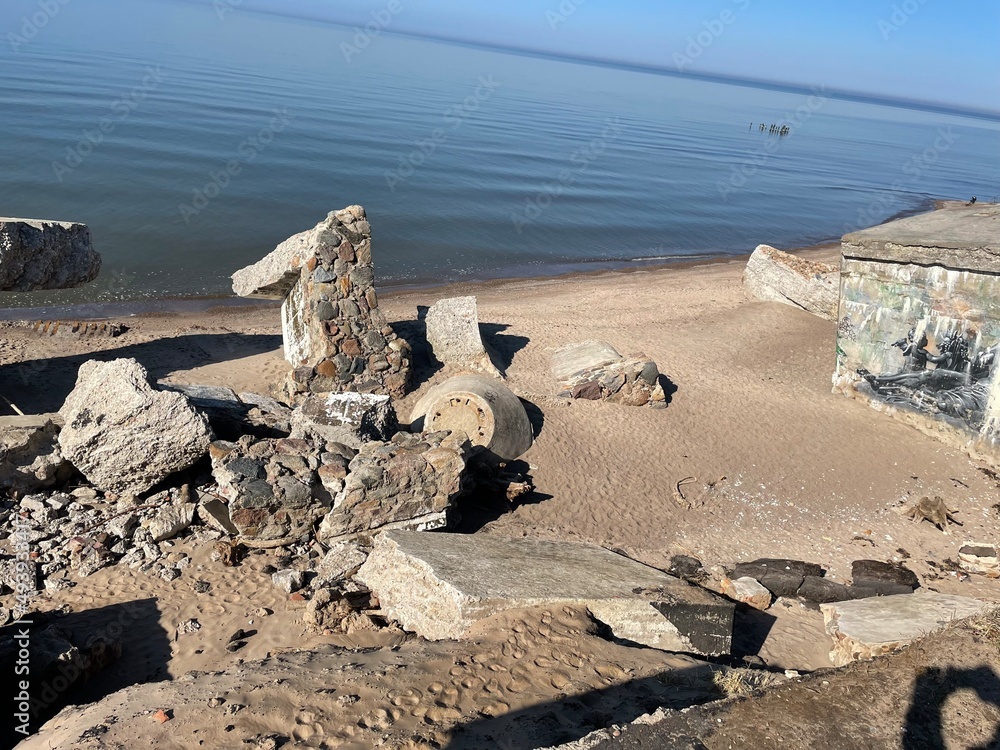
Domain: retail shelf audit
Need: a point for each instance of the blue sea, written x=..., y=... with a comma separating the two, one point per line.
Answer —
x=192, y=141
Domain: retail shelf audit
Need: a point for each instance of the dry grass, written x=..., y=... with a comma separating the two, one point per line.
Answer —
x=737, y=682
x=987, y=627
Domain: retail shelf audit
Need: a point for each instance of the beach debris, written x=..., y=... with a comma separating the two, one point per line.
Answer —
x=411, y=482
x=346, y=418
x=288, y=580
x=883, y=578
x=271, y=484
x=454, y=335
x=688, y=568
x=41, y=254
x=779, y=576
x=595, y=371
x=335, y=335
x=483, y=409
x=122, y=434
x=679, y=494
x=171, y=520
x=30, y=456
x=340, y=562
x=935, y=510
x=865, y=628
x=74, y=328
x=747, y=591
x=439, y=585
x=772, y=275
x=980, y=557
x=215, y=514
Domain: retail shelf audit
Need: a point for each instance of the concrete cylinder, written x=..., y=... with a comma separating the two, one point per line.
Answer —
x=481, y=407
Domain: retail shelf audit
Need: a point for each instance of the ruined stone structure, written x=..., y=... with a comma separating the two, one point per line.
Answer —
x=335, y=335
x=919, y=325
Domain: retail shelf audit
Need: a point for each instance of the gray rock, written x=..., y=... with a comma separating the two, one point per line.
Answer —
x=289, y=580
x=125, y=436
x=454, y=336
x=341, y=561
x=439, y=585
x=40, y=254
x=30, y=457
x=775, y=276
x=171, y=520
x=215, y=514
x=866, y=628
x=482, y=408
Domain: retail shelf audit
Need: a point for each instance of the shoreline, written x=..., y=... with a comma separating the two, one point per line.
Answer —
x=213, y=304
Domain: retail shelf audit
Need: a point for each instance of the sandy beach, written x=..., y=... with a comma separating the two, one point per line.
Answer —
x=772, y=463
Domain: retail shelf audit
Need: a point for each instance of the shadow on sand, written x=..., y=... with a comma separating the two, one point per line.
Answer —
x=40, y=386
x=119, y=645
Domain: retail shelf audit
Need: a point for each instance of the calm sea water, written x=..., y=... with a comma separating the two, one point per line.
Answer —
x=192, y=145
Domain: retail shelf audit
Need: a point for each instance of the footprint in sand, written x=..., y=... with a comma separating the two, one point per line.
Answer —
x=405, y=698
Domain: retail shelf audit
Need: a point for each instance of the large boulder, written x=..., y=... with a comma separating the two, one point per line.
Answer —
x=775, y=276
x=440, y=585
x=41, y=254
x=453, y=333
x=411, y=482
x=335, y=335
x=124, y=435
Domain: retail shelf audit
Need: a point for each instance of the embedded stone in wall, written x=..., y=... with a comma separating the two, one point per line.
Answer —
x=453, y=333
x=595, y=371
x=411, y=482
x=776, y=276
x=919, y=329
x=336, y=337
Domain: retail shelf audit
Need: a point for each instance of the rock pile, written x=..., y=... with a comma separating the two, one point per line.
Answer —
x=336, y=337
x=595, y=371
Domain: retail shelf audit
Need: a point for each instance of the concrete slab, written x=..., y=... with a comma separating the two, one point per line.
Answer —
x=864, y=628
x=963, y=237
x=453, y=333
x=439, y=585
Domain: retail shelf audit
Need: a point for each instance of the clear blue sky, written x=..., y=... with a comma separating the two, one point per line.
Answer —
x=932, y=50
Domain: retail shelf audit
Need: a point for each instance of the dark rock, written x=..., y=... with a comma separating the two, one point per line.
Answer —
x=883, y=578
x=688, y=568
x=822, y=591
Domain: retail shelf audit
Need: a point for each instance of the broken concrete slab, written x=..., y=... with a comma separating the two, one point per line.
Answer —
x=779, y=576
x=41, y=254
x=439, y=585
x=980, y=557
x=411, y=482
x=594, y=370
x=483, y=409
x=335, y=334
x=454, y=336
x=30, y=457
x=883, y=578
x=775, y=276
x=123, y=434
x=865, y=628
x=747, y=590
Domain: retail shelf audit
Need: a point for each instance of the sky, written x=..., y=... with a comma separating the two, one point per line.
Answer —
x=942, y=51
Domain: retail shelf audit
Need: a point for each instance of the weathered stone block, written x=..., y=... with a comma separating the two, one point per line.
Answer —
x=747, y=591
x=439, y=585
x=40, y=254
x=594, y=370
x=883, y=578
x=335, y=335
x=348, y=418
x=866, y=628
x=775, y=276
x=125, y=436
x=453, y=333
x=411, y=482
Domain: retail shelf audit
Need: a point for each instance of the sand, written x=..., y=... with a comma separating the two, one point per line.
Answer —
x=783, y=468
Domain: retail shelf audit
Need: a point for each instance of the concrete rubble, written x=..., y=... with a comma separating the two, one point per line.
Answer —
x=483, y=409
x=454, y=335
x=747, y=590
x=866, y=628
x=347, y=418
x=41, y=254
x=439, y=585
x=772, y=275
x=30, y=456
x=335, y=335
x=123, y=434
x=595, y=371
x=980, y=557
